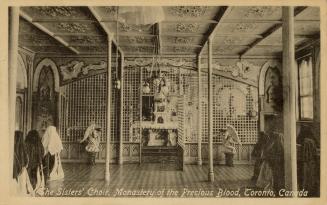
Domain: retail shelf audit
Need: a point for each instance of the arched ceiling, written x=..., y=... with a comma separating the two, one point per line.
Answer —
x=237, y=31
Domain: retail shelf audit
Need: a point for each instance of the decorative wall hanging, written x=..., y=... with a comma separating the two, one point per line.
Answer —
x=146, y=62
x=139, y=39
x=183, y=40
x=181, y=49
x=111, y=10
x=74, y=68
x=260, y=11
x=86, y=40
x=241, y=69
x=72, y=27
x=187, y=27
x=232, y=40
x=139, y=49
x=56, y=11
x=187, y=11
x=224, y=49
x=244, y=27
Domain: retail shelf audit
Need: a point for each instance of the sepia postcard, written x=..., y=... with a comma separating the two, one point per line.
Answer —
x=118, y=102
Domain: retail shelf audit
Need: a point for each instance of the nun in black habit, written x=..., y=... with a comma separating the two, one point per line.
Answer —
x=35, y=152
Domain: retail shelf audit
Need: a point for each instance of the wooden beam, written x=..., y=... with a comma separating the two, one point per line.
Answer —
x=270, y=31
x=176, y=34
x=182, y=34
x=125, y=44
x=97, y=16
x=51, y=45
x=314, y=36
x=209, y=21
x=181, y=45
x=77, y=34
x=239, y=35
x=47, y=31
x=264, y=35
x=219, y=17
x=171, y=21
x=227, y=21
x=258, y=21
x=58, y=20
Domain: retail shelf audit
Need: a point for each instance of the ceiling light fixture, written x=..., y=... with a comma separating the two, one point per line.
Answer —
x=141, y=15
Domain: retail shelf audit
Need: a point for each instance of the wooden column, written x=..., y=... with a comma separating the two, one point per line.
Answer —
x=289, y=89
x=261, y=115
x=29, y=99
x=12, y=73
x=121, y=108
x=210, y=111
x=199, y=112
x=109, y=87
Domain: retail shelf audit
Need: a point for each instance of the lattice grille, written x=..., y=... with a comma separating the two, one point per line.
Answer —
x=84, y=101
x=180, y=114
x=233, y=103
x=204, y=107
x=131, y=111
x=190, y=88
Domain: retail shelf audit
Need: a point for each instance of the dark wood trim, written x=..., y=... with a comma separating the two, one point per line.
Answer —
x=57, y=20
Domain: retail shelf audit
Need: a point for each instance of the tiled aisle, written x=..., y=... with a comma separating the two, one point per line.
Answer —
x=81, y=177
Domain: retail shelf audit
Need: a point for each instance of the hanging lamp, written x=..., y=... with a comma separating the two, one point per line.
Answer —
x=141, y=15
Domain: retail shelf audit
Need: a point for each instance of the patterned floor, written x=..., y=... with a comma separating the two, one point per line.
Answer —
x=161, y=180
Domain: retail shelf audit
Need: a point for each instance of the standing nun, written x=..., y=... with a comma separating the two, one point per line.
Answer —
x=22, y=184
x=52, y=147
x=35, y=153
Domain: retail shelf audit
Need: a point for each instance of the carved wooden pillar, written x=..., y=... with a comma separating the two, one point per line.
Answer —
x=199, y=113
x=211, y=176
x=121, y=108
x=289, y=89
x=109, y=87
